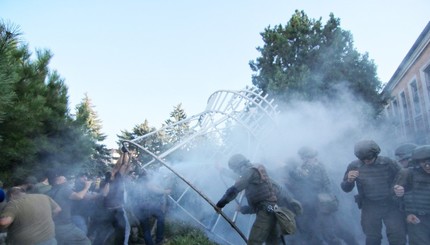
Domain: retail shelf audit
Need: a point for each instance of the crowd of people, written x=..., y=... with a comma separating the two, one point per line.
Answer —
x=57, y=210
x=125, y=206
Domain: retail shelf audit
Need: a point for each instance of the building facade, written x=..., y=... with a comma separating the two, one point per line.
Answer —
x=408, y=93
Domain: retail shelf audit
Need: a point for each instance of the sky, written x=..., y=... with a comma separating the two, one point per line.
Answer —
x=137, y=60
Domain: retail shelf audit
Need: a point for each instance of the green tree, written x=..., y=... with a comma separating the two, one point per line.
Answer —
x=176, y=131
x=36, y=129
x=87, y=120
x=8, y=41
x=306, y=60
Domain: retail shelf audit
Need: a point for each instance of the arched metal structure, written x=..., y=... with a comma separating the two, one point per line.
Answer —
x=233, y=121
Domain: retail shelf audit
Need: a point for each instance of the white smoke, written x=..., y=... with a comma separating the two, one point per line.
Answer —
x=332, y=129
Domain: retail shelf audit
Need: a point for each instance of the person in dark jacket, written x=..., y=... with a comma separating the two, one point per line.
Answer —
x=413, y=185
x=114, y=192
x=152, y=205
x=66, y=232
x=374, y=177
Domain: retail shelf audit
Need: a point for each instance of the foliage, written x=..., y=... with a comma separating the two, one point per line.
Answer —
x=178, y=233
x=306, y=60
x=162, y=140
x=36, y=129
x=87, y=121
x=8, y=40
x=176, y=131
x=153, y=143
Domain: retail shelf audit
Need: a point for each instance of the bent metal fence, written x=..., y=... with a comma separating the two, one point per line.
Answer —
x=233, y=122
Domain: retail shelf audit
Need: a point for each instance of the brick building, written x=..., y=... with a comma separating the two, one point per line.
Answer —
x=408, y=93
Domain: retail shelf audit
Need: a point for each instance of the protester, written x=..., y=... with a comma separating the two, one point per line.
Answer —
x=82, y=209
x=374, y=176
x=116, y=219
x=29, y=184
x=43, y=185
x=66, y=231
x=152, y=205
x=414, y=185
x=98, y=218
x=261, y=199
x=28, y=218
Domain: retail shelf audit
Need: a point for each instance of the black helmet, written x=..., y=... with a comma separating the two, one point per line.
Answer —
x=307, y=152
x=421, y=153
x=404, y=151
x=237, y=161
x=366, y=149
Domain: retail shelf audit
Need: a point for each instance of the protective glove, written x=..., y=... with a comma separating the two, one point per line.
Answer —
x=221, y=203
x=124, y=148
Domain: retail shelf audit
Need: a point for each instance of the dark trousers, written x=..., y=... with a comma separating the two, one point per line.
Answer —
x=374, y=213
x=145, y=217
x=115, y=228
x=419, y=234
x=70, y=234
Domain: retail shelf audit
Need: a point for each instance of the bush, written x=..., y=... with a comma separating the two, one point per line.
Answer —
x=180, y=233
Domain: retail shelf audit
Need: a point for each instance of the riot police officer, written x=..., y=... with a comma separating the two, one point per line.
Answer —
x=414, y=185
x=403, y=154
x=261, y=199
x=374, y=176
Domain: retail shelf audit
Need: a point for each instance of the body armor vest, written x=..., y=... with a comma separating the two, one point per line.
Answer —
x=417, y=200
x=261, y=189
x=375, y=180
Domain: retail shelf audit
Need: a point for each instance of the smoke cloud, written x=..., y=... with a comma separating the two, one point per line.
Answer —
x=330, y=128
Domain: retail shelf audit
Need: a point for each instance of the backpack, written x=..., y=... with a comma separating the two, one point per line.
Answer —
x=285, y=220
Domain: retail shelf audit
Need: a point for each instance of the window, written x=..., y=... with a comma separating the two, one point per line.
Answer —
x=415, y=97
x=427, y=79
x=395, y=108
x=404, y=106
x=409, y=128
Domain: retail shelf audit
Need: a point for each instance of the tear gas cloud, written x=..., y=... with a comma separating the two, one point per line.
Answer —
x=331, y=130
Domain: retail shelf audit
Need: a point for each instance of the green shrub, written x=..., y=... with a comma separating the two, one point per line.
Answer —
x=180, y=233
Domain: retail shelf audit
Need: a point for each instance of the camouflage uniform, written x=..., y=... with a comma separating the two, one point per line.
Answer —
x=260, y=195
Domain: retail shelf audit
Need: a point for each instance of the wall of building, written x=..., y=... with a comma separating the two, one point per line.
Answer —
x=409, y=89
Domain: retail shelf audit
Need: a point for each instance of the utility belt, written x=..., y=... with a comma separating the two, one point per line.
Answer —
x=268, y=207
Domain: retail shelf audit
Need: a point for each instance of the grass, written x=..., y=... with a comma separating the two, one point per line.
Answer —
x=179, y=233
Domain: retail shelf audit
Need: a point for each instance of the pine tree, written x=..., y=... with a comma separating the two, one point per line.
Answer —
x=176, y=131
x=154, y=143
x=37, y=131
x=87, y=120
